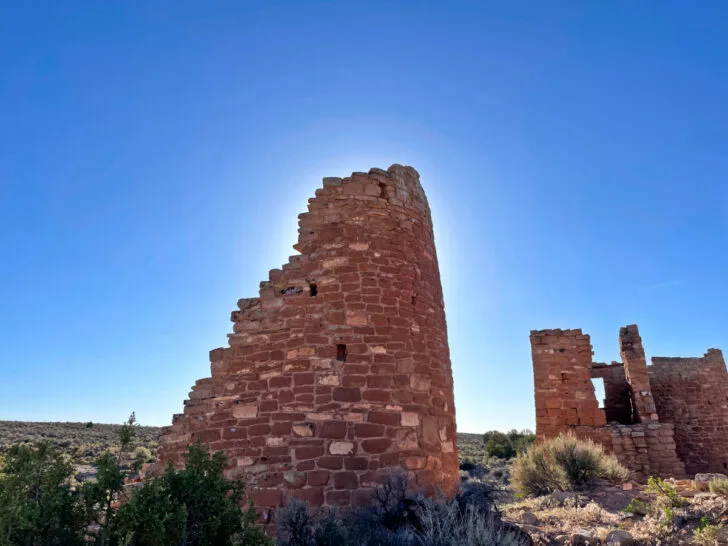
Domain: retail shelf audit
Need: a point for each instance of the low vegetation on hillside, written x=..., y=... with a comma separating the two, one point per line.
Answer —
x=84, y=442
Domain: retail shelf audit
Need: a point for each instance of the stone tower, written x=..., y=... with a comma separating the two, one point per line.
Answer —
x=340, y=368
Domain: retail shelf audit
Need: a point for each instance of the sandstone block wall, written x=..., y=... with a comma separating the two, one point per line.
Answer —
x=692, y=393
x=340, y=368
x=562, y=375
x=566, y=401
x=668, y=418
x=647, y=449
x=635, y=371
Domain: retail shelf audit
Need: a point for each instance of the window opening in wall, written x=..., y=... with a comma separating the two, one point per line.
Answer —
x=341, y=353
x=313, y=288
x=383, y=189
x=599, y=391
x=414, y=300
x=563, y=377
x=291, y=291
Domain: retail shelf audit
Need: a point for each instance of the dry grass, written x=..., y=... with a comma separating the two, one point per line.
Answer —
x=719, y=487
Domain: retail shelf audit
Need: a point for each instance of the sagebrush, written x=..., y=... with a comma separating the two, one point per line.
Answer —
x=565, y=463
x=400, y=517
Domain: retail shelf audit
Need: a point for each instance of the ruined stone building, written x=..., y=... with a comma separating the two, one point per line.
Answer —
x=666, y=419
x=340, y=368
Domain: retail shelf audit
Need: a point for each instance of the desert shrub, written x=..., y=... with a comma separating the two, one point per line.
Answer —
x=444, y=522
x=396, y=517
x=467, y=465
x=706, y=533
x=534, y=474
x=143, y=454
x=666, y=493
x=507, y=445
x=522, y=440
x=298, y=525
x=638, y=507
x=565, y=463
x=498, y=444
x=719, y=487
x=37, y=503
x=196, y=506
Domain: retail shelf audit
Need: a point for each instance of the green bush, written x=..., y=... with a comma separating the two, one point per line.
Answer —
x=637, y=507
x=719, y=487
x=666, y=493
x=706, y=533
x=565, y=463
x=507, y=445
x=196, y=506
x=143, y=454
x=37, y=503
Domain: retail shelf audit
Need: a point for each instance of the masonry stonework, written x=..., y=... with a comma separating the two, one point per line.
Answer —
x=340, y=368
x=692, y=393
x=667, y=419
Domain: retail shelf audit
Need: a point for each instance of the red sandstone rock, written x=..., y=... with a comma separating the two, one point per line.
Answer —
x=340, y=366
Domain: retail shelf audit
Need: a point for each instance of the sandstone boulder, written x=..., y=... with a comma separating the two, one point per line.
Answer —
x=619, y=538
x=702, y=480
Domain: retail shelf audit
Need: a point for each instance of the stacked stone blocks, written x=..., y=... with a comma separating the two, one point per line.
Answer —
x=693, y=394
x=668, y=419
x=340, y=368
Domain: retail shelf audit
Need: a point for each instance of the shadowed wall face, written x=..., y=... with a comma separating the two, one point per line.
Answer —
x=692, y=393
x=340, y=368
x=635, y=371
x=618, y=399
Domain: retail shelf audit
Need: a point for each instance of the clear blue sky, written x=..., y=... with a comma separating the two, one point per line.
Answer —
x=154, y=157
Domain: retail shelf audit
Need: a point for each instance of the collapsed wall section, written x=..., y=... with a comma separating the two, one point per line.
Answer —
x=692, y=393
x=340, y=368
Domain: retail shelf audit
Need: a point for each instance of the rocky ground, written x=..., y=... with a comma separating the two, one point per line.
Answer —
x=607, y=515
